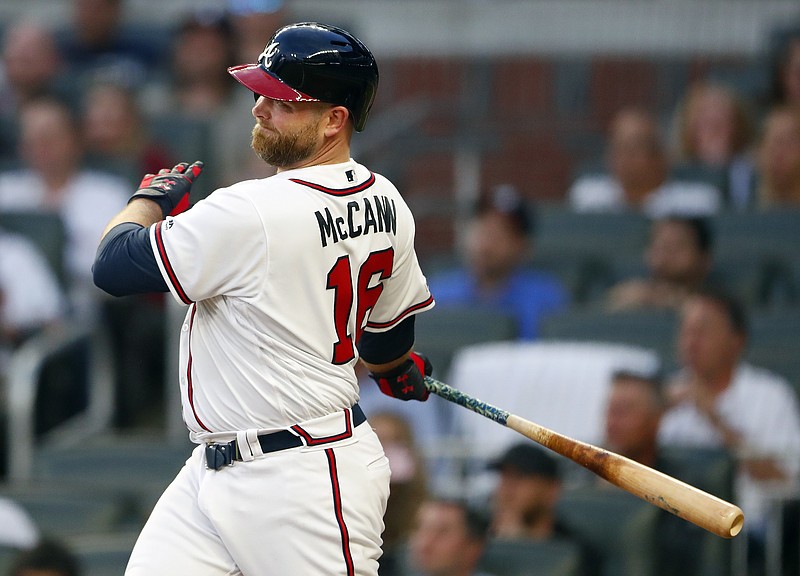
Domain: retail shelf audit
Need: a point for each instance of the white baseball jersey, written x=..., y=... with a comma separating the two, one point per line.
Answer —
x=282, y=274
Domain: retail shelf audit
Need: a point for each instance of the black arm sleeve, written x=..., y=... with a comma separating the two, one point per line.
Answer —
x=383, y=347
x=125, y=263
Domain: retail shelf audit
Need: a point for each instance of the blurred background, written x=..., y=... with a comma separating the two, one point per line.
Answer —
x=578, y=171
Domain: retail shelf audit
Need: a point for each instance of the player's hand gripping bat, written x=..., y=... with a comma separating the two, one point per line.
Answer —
x=685, y=501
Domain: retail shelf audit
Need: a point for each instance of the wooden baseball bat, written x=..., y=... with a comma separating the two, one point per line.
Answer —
x=683, y=500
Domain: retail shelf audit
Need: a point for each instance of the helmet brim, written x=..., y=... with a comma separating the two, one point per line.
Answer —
x=264, y=83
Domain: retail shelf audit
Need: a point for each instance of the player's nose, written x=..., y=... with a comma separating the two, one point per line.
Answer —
x=261, y=108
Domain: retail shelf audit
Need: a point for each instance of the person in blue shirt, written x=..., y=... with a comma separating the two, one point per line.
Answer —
x=496, y=272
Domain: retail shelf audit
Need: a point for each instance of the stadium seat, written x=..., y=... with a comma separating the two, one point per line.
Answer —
x=560, y=385
x=773, y=343
x=7, y=556
x=44, y=229
x=562, y=232
x=138, y=470
x=61, y=510
x=757, y=282
x=103, y=555
x=769, y=235
x=680, y=543
x=618, y=527
x=654, y=329
x=532, y=558
x=442, y=331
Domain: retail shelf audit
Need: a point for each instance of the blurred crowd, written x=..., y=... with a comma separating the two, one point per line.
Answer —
x=90, y=106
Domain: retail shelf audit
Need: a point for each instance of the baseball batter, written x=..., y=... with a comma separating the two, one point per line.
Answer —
x=289, y=281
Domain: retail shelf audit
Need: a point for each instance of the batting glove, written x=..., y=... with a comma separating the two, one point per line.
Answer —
x=407, y=380
x=170, y=188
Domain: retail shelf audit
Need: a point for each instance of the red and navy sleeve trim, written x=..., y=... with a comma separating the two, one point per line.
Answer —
x=338, y=191
x=173, y=278
x=403, y=314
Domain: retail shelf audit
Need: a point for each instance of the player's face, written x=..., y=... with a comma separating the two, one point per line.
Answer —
x=286, y=133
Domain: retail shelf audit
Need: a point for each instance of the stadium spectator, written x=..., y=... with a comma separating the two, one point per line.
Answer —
x=448, y=540
x=250, y=18
x=779, y=159
x=495, y=274
x=236, y=159
x=48, y=558
x=30, y=294
x=719, y=400
x=713, y=139
x=637, y=177
x=17, y=529
x=678, y=260
x=97, y=44
x=632, y=417
x=31, y=67
x=53, y=180
x=785, y=69
x=202, y=51
x=524, y=500
x=524, y=503
x=116, y=133
x=117, y=139
x=634, y=409
x=408, y=485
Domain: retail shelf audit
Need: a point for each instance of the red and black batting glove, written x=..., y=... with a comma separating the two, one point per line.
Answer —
x=407, y=380
x=170, y=188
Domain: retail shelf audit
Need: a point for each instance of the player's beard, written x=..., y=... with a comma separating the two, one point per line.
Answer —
x=283, y=150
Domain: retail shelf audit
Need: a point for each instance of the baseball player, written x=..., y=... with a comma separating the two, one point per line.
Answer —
x=289, y=281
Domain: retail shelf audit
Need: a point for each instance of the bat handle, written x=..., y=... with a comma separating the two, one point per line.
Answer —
x=454, y=395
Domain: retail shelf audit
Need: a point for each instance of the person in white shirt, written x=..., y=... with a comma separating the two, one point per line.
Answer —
x=53, y=180
x=718, y=400
x=30, y=295
x=638, y=176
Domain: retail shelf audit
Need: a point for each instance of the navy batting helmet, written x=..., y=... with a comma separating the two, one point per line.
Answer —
x=312, y=62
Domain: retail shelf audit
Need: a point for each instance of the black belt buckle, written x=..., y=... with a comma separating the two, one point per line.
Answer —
x=219, y=455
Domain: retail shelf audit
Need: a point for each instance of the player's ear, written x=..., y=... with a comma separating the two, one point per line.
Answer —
x=337, y=120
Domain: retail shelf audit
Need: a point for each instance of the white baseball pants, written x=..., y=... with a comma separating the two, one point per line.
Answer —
x=304, y=511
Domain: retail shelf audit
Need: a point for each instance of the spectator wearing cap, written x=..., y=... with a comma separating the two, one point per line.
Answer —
x=495, y=274
x=524, y=504
x=528, y=488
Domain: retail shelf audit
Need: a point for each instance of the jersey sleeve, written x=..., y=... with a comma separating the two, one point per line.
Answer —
x=406, y=292
x=216, y=248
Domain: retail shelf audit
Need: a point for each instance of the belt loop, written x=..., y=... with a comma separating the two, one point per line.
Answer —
x=249, y=447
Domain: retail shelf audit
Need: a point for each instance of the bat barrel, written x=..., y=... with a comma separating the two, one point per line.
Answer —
x=685, y=501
